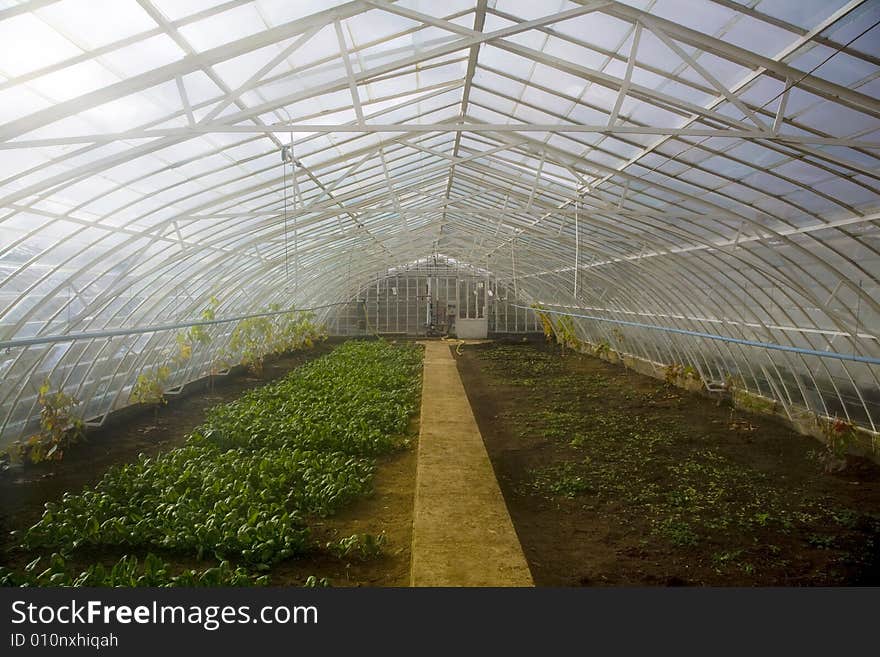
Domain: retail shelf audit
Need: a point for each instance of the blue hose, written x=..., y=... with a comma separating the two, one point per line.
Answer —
x=711, y=336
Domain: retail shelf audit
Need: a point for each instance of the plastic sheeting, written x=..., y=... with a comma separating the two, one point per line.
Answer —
x=706, y=165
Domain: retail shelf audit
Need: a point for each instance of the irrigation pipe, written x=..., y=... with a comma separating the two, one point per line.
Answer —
x=458, y=343
x=110, y=333
x=712, y=336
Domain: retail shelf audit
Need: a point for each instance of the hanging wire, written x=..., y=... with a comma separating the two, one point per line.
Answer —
x=297, y=201
x=793, y=83
x=786, y=86
x=577, y=245
x=284, y=155
x=513, y=266
x=287, y=155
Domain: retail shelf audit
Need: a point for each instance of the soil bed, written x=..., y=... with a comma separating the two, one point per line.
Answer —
x=388, y=510
x=615, y=478
x=24, y=491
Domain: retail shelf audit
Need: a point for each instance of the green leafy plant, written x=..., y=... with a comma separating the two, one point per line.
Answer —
x=60, y=428
x=251, y=338
x=358, y=546
x=546, y=323
x=602, y=349
x=295, y=330
x=562, y=480
x=838, y=435
x=194, y=335
x=672, y=373
x=566, y=335
x=247, y=482
x=150, y=389
x=183, y=351
x=127, y=571
x=256, y=338
x=679, y=532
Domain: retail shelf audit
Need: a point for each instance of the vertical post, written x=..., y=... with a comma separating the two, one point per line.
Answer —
x=297, y=201
x=486, y=298
x=513, y=266
x=858, y=317
x=577, y=246
x=428, y=304
x=446, y=300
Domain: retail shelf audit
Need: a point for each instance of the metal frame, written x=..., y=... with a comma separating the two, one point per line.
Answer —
x=723, y=189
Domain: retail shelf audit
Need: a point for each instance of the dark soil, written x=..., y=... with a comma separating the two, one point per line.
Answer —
x=388, y=510
x=615, y=478
x=24, y=491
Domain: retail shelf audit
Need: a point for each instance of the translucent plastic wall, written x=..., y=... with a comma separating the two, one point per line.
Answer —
x=425, y=298
x=705, y=166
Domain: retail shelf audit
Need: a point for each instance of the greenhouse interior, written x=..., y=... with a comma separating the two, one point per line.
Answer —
x=473, y=293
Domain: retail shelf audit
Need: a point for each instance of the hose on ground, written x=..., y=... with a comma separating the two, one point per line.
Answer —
x=454, y=341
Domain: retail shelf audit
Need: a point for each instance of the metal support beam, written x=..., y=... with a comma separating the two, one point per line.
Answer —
x=476, y=128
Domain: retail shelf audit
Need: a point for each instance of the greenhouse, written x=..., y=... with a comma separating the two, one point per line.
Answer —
x=463, y=293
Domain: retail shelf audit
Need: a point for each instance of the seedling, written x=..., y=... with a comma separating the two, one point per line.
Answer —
x=194, y=335
x=359, y=546
x=59, y=428
x=838, y=435
x=313, y=582
x=546, y=323
x=150, y=389
x=247, y=482
x=602, y=349
x=671, y=373
x=566, y=334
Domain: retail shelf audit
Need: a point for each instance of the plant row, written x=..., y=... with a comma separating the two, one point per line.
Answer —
x=127, y=571
x=252, y=340
x=245, y=485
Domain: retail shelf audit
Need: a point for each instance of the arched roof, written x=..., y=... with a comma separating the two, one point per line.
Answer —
x=708, y=165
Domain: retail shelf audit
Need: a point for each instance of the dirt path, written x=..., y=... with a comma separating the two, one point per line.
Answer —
x=613, y=478
x=462, y=532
